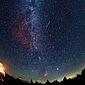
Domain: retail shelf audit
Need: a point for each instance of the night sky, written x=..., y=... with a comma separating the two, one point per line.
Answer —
x=42, y=39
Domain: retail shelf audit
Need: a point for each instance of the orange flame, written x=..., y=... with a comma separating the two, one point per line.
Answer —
x=2, y=69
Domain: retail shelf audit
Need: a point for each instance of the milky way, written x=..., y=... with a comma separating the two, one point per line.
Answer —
x=42, y=39
x=27, y=26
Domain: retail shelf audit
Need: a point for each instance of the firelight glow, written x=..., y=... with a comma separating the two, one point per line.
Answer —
x=2, y=69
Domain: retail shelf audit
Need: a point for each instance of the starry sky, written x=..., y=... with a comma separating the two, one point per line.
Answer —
x=42, y=39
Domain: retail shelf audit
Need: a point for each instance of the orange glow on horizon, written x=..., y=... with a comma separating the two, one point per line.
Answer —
x=2, y=69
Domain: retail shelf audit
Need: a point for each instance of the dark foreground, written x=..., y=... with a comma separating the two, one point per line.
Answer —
x=78, y=80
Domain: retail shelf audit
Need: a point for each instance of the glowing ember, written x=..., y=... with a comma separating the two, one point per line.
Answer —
x=2, y=72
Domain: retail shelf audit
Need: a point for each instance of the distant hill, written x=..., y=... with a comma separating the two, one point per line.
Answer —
x=78, y=80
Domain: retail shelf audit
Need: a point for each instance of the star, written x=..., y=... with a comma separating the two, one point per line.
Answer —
x=57, y=69
x=39, y=58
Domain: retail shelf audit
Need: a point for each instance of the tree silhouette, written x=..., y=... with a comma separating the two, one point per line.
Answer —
x=65, y=79
x=83, y=72
x=31, y=81
x=47, y=83
x=55, y=83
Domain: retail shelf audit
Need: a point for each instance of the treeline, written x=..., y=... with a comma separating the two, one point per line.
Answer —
x=78, y=80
